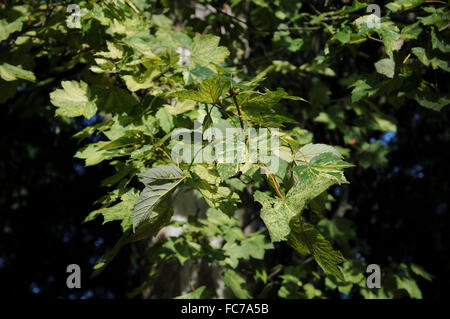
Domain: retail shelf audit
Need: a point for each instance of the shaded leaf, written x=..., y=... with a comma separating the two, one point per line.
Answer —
x=209, y=91
x=237, y=284
x=159, y=182
x=305, y=238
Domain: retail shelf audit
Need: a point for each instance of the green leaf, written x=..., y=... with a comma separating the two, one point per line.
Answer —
x=429, y=98
x=385, y=122
x=237, y=284
x=8, y=89
x=201, y=292
x=373, y=154
x=403, y=5
x=115, y=51
x=305, y=238
x=261, y=108
x=310, y=151
x=326, y=167
x=210, y=176
x=130, y=138
x=276, y=215
x=219, y=197
x=10, y=72
x=165, y=120
x=343, y=36
x=161, y=173
x=183, y=248
x=117, y=101
x=74, y=100
x=7, y=28
x=366, y=87
x=122, y=171
x=209, y=91
x=438, y=44
x=143, y=81
x=311, y=291
x=390, y=36
x=205, y=51
x=319, y=204
x=386, y=67
x=421, y=272
x=356, y=5
x=410, y=285
x=427, y=59
x=181, y=107
x=411, y=31
x=438, y=17
x=254, y=246
x=339, y=230
x=320, y=172
x=159, y=182
x=283, y=217
x=141, y=42
x=94, y=154
x=120, y=211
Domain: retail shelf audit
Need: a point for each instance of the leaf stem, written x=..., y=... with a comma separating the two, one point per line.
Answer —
x=374, y=39
x=275, y=183
x=233, y=95
x=435, y=1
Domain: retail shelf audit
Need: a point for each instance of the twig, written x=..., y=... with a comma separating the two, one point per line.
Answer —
x=264, y=30
x=445, y=27
x=233, y=95
x=272, y=275
x=374, y=39
x=435, y=1
x=275, y=183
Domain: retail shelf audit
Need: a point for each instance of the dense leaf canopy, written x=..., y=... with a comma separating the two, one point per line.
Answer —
x=350, y=108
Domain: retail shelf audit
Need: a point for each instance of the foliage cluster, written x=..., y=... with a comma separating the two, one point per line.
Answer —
x=324, y=76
